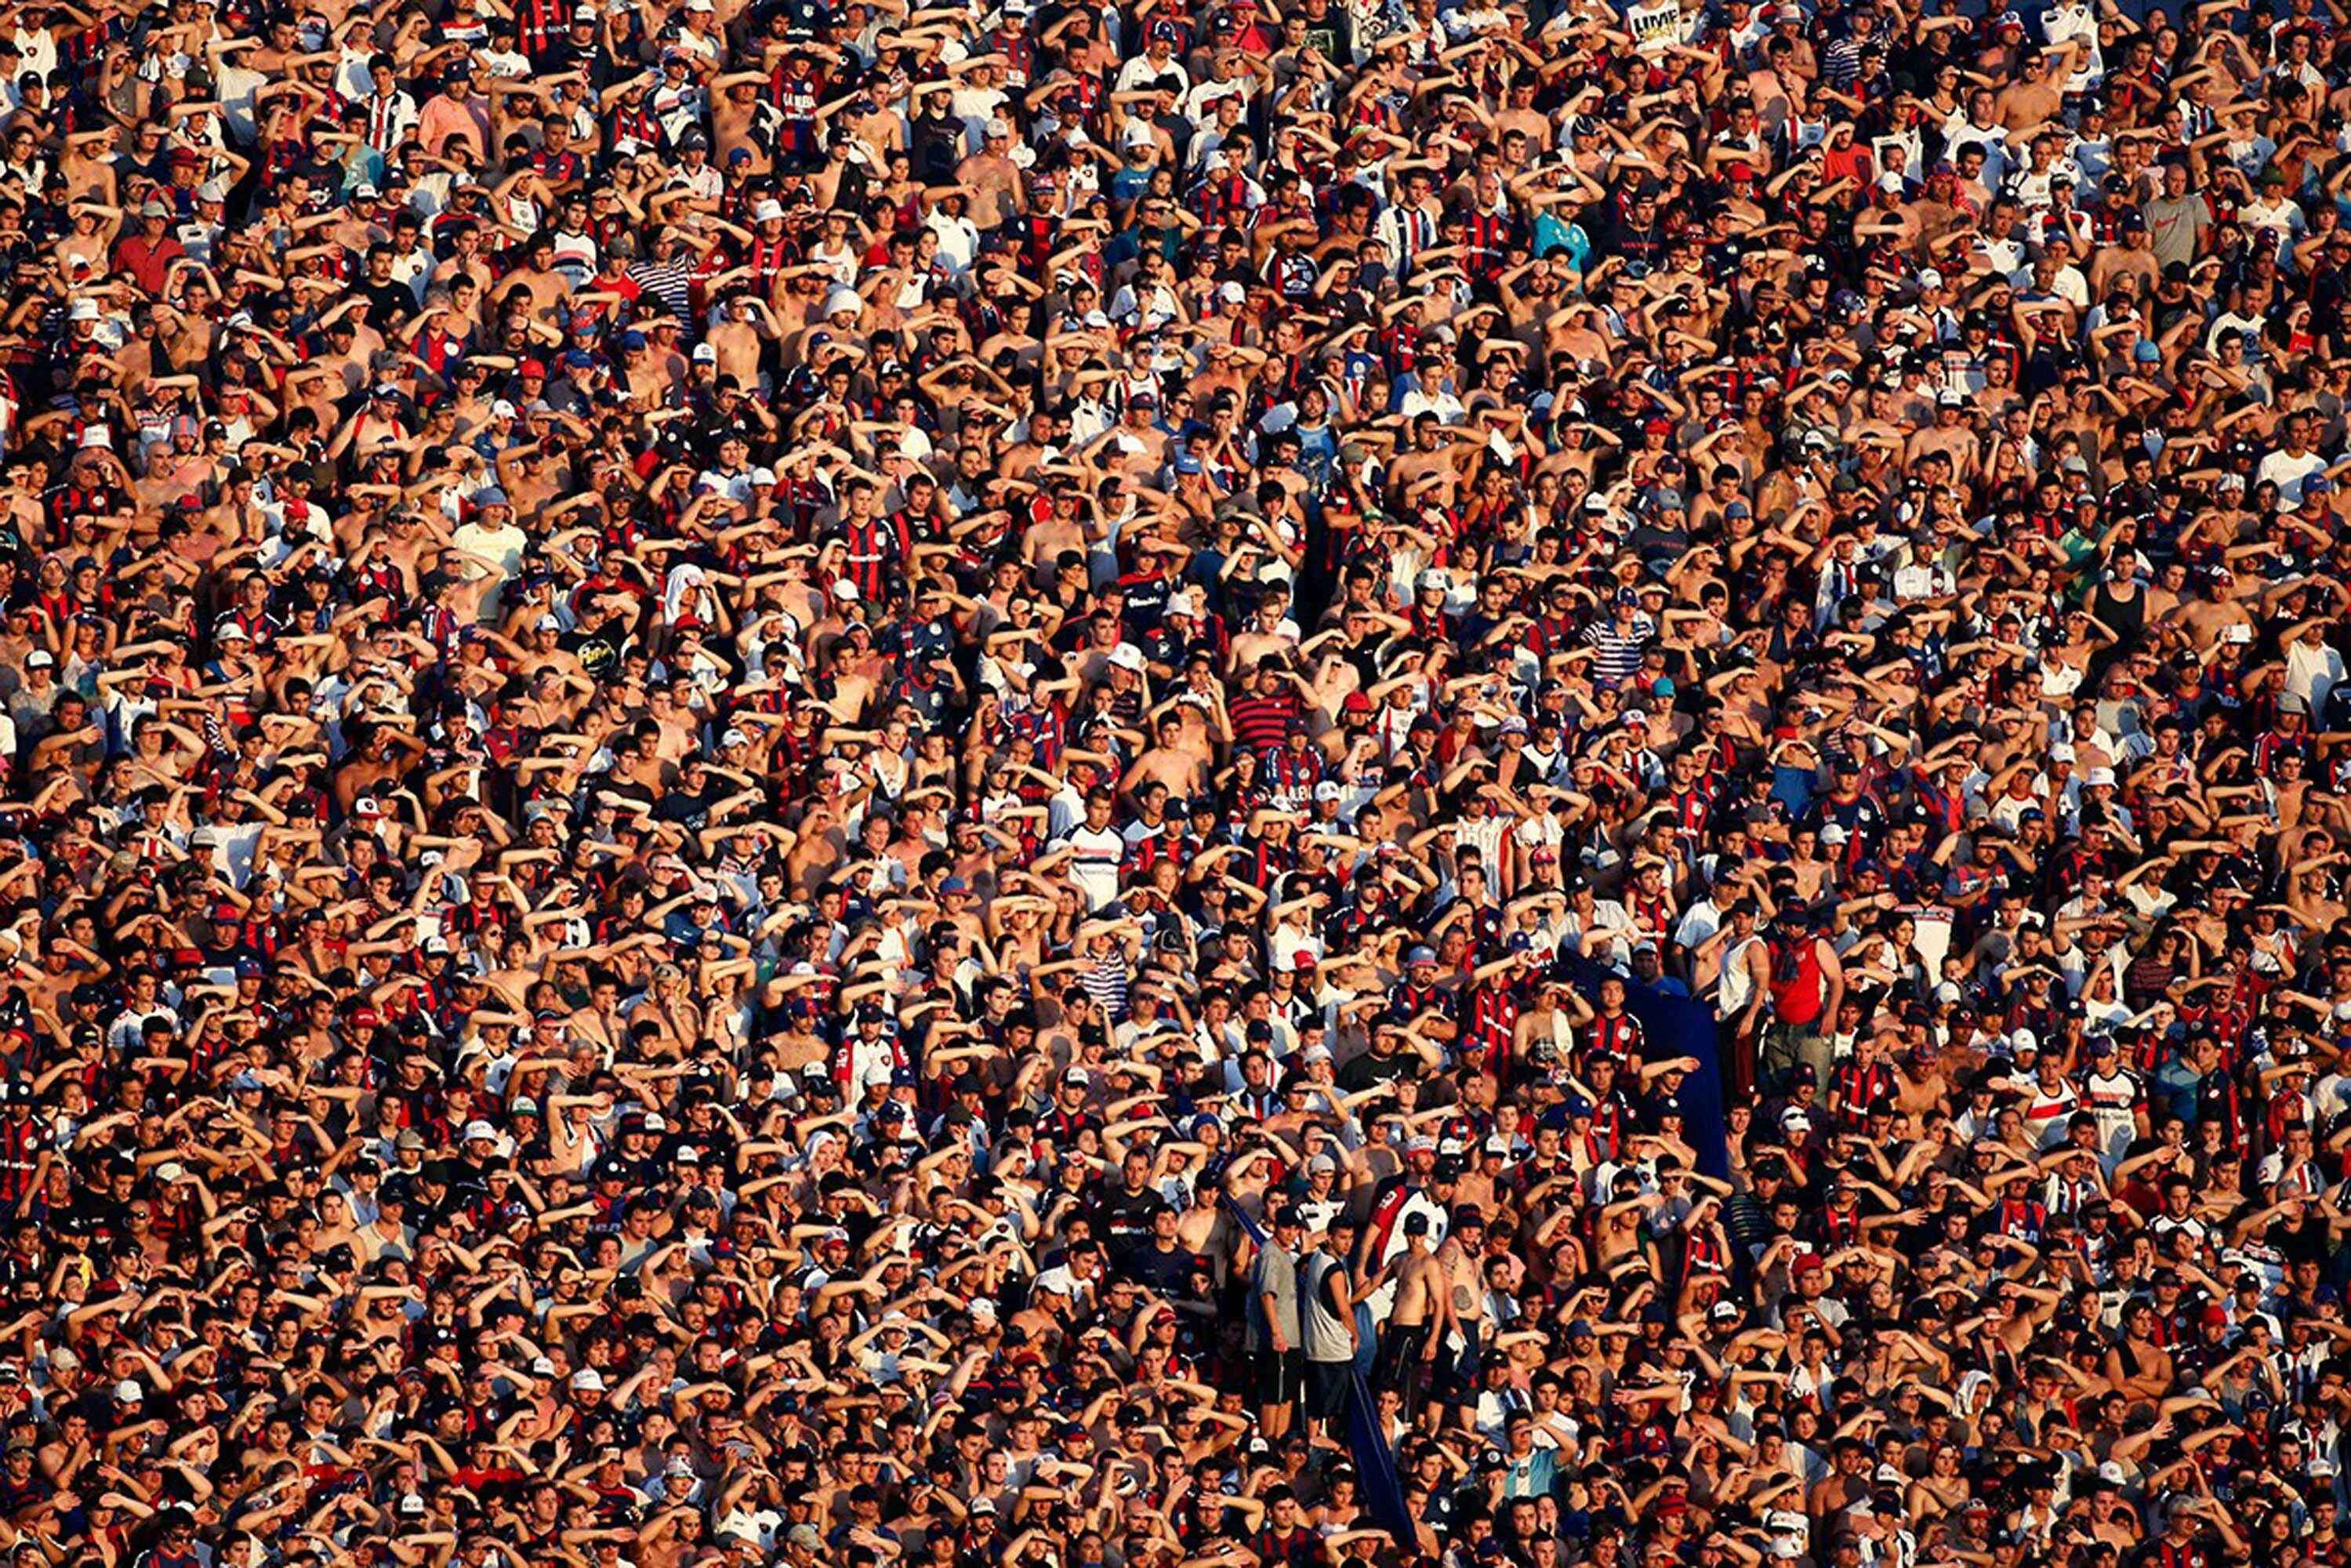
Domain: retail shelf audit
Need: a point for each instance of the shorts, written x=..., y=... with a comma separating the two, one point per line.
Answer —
x=1326, y=1388
x=1280, y=1375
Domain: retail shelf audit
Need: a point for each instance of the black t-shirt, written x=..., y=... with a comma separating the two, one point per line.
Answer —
x=1127, y=1215
x=598, y=650
x=389, y=303
x=690, y=810
x=1161, y=1272
x=937, y=144
x=1370, y=1068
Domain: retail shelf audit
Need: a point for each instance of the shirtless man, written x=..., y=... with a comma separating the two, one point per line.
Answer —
x=2135, y=259
x=465, y=262
x=554, y=699
x=737, y=341
x=1417, y=1321
x=667, y=706
x=236, y=517
x=1462, y=1259
x=1264, y=640
x=1169, y=763
x=343, y=368
x=537, y=281
x=531, y=478
x=1062, y=533
x=639, y=764
x=1950, y=435
x=1136, y=446
x=1845, y=1484
x=1918, y=1082
x=734, y=116
x=1013, y=334
x=2137, y=1366
x=87, y=164
x=838, y=322
x=1202, y=1228
x=382, y=754
x=1428, y=459
x=176, y=469
x=998, y=190
x=819, y=849
x=2036, y=98
x=2209, y=616
x=1199, y=710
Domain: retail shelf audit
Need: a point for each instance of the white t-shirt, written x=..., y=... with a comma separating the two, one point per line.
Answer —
x=232, y=849
x=502, y=546
x=2287, y=472
x=1095, y=866
x=2312, y=672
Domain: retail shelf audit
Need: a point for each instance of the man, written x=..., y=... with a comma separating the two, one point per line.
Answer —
x=456, y=115
x=1461, y=1261
x=1328, y=1319
x=148, y=254
x=1416, y=1322
x=1409, y=226
x=1807, y=989
x=1279, y=1339
x=2178, y=219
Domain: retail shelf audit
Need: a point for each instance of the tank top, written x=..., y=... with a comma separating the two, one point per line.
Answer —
x=1798, y=994
x=575, y=257
x=1324, y=1333
x=1737, y=987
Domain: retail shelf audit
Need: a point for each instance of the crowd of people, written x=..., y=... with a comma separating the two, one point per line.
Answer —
x=1290, y=784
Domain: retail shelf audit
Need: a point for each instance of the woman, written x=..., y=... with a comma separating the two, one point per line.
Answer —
x=722, y=979
x=1942, y=1490
x=2167, y=958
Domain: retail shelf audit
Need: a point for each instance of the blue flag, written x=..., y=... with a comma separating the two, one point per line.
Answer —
x=1376, y=1467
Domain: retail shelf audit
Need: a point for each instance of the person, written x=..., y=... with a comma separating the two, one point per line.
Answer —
x=1279, y=1335
x=1462, y=1349
x=1413, y=1332
x=1806, y=994
x=1328, y=1332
